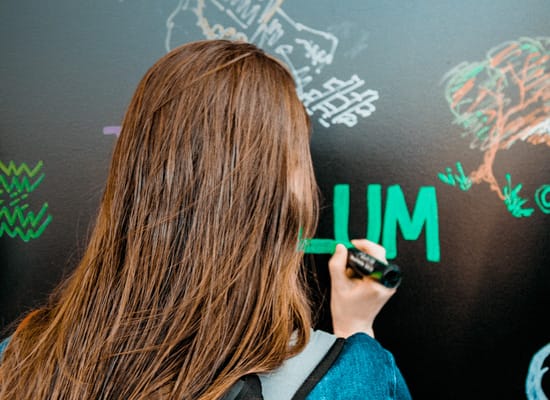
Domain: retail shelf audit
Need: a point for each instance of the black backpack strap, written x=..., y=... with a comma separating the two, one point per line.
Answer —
x=320, y=370
x=248, y=387
x=283, y=382
x=252, y=388
x=296, y=377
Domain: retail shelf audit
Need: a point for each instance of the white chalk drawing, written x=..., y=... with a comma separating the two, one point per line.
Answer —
x=339, y=103
x=352, y=33
x=533, y=384
x=305, y=50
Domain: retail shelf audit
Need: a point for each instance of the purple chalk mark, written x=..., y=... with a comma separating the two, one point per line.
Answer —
x=111, y=130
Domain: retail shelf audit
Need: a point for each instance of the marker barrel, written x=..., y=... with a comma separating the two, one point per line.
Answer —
x=364, y=264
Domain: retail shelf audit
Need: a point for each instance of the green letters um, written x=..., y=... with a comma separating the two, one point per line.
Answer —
x=396, y=213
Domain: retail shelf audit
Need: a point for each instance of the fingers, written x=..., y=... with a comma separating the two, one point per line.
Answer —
x=355, y=303
x=337, y=264
x=341, y=274
x=371, y=248
x=377, y=252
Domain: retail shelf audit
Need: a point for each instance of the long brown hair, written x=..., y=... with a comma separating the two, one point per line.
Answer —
x=192, y=277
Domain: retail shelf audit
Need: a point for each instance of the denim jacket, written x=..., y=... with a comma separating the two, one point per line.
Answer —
x=363, y=370
x=3, y=345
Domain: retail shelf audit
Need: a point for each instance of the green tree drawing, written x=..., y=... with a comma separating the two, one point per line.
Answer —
x=500, y=101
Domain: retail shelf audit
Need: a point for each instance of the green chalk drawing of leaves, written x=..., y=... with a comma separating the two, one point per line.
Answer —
x=513, y=201
x=452, y=179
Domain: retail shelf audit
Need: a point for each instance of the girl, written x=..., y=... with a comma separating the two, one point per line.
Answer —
x=192, y=278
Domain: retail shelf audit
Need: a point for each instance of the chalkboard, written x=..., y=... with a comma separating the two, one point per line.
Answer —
x=431, y=136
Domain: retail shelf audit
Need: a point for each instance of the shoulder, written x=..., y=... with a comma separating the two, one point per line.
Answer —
x=364, y=369
x=363, y=354
x=3, y=345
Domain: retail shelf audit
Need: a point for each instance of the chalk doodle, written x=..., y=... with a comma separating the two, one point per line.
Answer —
x=339, y=103
x=513, y=201
x=499, y=102
x=16, y=184
x=111, y=130
x=460, y=179
x=542, y=198
x=396, y=214
x=305, y=50
x=533, y=384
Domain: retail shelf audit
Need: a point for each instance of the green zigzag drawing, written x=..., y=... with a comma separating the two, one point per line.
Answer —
x=15, y=181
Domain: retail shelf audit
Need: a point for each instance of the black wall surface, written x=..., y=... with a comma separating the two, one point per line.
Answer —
x=399, y=93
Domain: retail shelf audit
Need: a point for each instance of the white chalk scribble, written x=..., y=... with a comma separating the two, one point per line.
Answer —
x=305, y=50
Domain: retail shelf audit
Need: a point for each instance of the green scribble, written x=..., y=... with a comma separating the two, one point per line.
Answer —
x=542, y=198
x=12, y=169
x=482, y=133
x=513, y=201
x=460, y=179
x=477, y=69
x=16, y=183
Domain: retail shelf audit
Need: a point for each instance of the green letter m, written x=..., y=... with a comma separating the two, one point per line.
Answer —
x=425, y=214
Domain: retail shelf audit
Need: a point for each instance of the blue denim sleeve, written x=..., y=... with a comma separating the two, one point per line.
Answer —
x=363, y=370
x=3, y=345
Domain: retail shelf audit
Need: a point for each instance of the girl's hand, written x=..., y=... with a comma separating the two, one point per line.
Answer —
x=355, y=302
